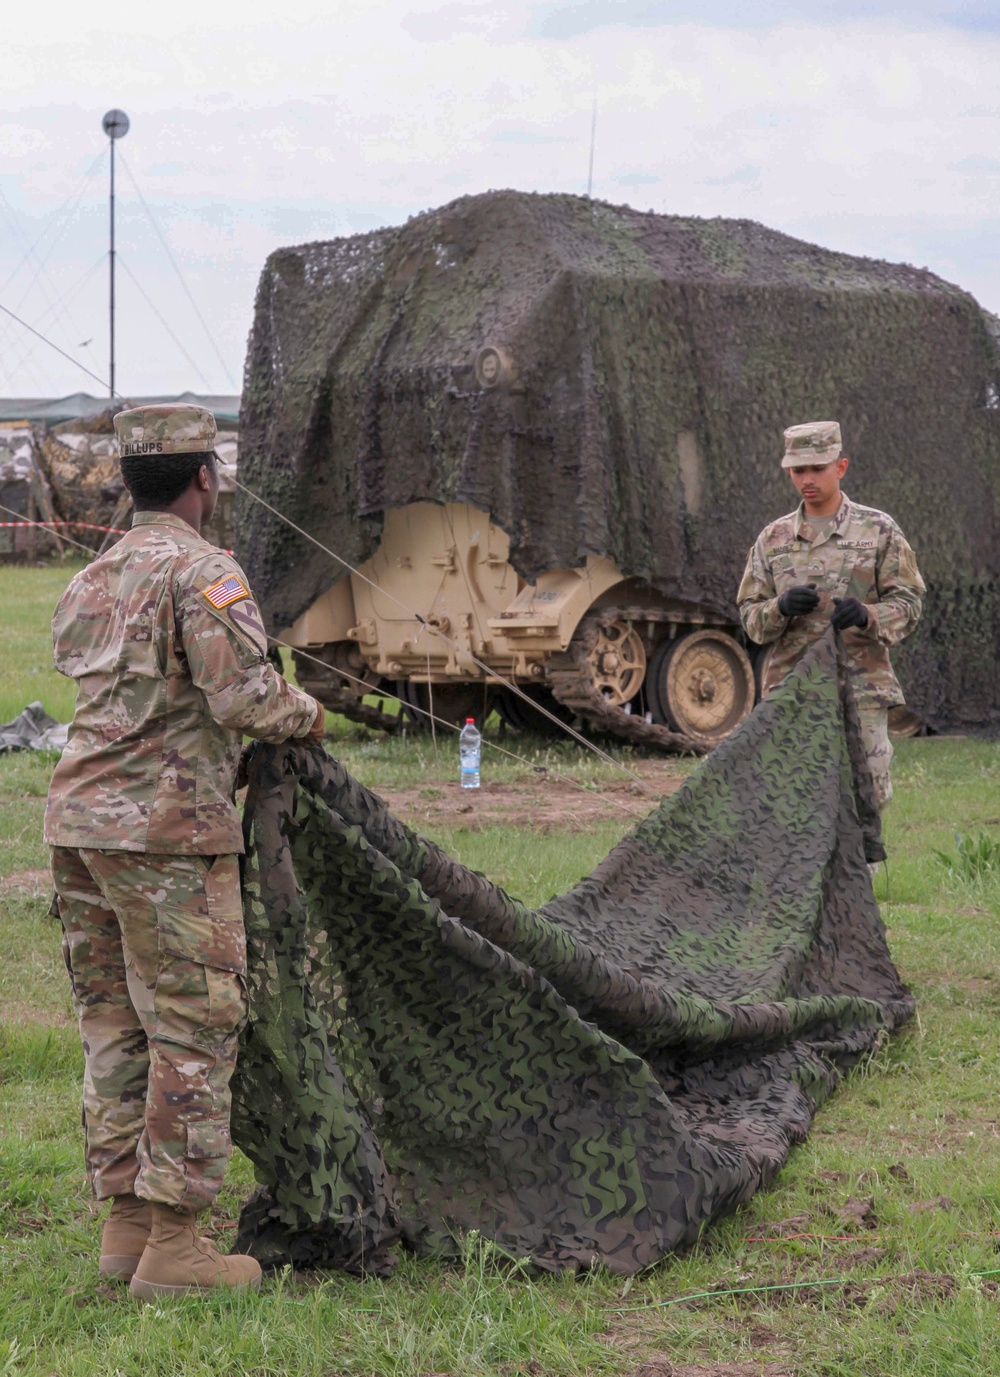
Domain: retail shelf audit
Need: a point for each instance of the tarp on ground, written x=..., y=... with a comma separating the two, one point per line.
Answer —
x=654, y=362
x=33, y=730
x=593, y=1081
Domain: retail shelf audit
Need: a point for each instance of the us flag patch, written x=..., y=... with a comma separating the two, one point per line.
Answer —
x=227, y=590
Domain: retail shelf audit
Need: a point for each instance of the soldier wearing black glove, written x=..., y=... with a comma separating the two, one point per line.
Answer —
x=848, y=612
x=838, y=544
x=798, y=601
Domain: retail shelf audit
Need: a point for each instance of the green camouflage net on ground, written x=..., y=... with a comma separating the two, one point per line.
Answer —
x=591, y=1082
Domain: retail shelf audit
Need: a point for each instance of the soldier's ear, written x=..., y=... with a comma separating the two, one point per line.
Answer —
x=204, y=479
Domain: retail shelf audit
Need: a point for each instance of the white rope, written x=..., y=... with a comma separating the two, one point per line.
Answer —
x=443, y=722
x=385, y=693
x=42, y=526
x=493, y=674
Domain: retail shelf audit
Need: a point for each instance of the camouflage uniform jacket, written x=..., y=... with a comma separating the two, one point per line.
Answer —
x=863, y=555
x=168, y=651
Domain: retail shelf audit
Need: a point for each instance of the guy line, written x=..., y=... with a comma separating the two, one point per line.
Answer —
x=563, y=726
x=386, y=693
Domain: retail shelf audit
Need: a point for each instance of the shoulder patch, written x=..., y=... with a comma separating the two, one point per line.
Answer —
x=227, y=590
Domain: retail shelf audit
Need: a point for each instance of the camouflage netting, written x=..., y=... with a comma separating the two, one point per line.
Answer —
x=80, y=460
x=657, y=361
x=594, y=1081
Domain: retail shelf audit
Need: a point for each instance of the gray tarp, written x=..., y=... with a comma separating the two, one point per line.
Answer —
x=33, y=730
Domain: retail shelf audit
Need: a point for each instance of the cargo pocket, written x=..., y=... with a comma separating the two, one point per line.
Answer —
x=206, y=1140
x=204, y=923
x=199, y=1003
x=201, y=982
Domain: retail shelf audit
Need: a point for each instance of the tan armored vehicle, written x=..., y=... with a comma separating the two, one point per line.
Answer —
x=584, y=641
x=543, y=433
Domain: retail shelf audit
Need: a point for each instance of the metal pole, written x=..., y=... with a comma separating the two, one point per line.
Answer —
x=593, y=140
x=111, y=264
x=116, y=125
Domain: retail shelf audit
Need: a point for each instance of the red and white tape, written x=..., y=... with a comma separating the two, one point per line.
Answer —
x=80, y=525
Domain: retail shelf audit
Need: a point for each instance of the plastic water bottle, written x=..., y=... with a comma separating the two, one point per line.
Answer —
x=469, y=749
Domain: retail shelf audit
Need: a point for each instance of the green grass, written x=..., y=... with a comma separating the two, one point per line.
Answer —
x=28, y=598
x=916, y=1132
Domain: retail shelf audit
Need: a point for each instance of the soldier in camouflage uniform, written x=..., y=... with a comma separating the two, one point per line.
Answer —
x=165, y=642
x=832, y=560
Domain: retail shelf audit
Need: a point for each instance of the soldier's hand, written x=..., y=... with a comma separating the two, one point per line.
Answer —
x=849, y=612
x=318, y=729
x=242, y=779
x=798, y=601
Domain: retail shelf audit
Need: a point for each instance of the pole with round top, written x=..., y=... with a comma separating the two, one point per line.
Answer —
x=115, y=124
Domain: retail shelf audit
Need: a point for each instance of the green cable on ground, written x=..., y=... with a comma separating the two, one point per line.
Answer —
x=760, y=1290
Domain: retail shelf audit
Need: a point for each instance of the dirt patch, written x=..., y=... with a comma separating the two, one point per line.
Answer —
x=940, y=1202
x=923, y=1288
x=663, y=1367
x=862, y=1257
x=792, y=1227
x=18, y=1014
x=539, y=800
x=36, y=883
x=856, y=1213
x=883, y=1294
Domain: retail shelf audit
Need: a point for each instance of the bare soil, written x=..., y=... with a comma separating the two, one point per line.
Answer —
x=539, y=800
x=37, y=883
x=663, y=1367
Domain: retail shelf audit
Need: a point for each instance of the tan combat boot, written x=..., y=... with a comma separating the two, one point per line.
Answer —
x=176, y=1262
x=126, y=1233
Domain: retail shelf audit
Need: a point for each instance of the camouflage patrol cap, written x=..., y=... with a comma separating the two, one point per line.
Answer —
x=816, y=442
x=168, y=428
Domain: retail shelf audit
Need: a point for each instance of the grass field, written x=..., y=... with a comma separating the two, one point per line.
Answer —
x=897, y=1191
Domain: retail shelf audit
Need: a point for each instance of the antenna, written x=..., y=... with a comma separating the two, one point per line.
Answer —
x=116, y=125
x=593, y=140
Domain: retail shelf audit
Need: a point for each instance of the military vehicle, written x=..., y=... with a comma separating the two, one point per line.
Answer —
x=544, y=431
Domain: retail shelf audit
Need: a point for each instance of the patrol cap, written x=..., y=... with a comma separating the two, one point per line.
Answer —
x=167, y=428
x=816, y=442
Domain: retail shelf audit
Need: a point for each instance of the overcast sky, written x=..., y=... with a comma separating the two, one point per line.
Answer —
x=862, y=126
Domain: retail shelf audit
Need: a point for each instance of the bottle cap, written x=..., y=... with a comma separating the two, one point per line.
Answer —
x=470, y=721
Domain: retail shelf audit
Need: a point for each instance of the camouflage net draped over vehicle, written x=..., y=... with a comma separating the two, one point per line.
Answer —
x=654, y=362
x=592, y=1081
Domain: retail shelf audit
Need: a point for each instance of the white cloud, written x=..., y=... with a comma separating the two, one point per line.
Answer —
x=249, y=131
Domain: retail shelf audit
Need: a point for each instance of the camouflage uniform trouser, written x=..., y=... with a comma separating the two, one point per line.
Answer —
x=878, y=748
x=156, y=952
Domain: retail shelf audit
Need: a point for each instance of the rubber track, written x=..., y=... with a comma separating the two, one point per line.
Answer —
x=568, y=675
x=348, y=704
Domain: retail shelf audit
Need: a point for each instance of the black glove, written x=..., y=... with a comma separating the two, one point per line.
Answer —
x=241, y=769
x=797, y=601
x=849, y=612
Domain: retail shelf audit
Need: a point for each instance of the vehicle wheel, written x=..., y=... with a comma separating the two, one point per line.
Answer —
x=701, y=684
x=522, y=716
x=617, y=662
x=904, y=723
x=450, y=703
x=343, y=670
